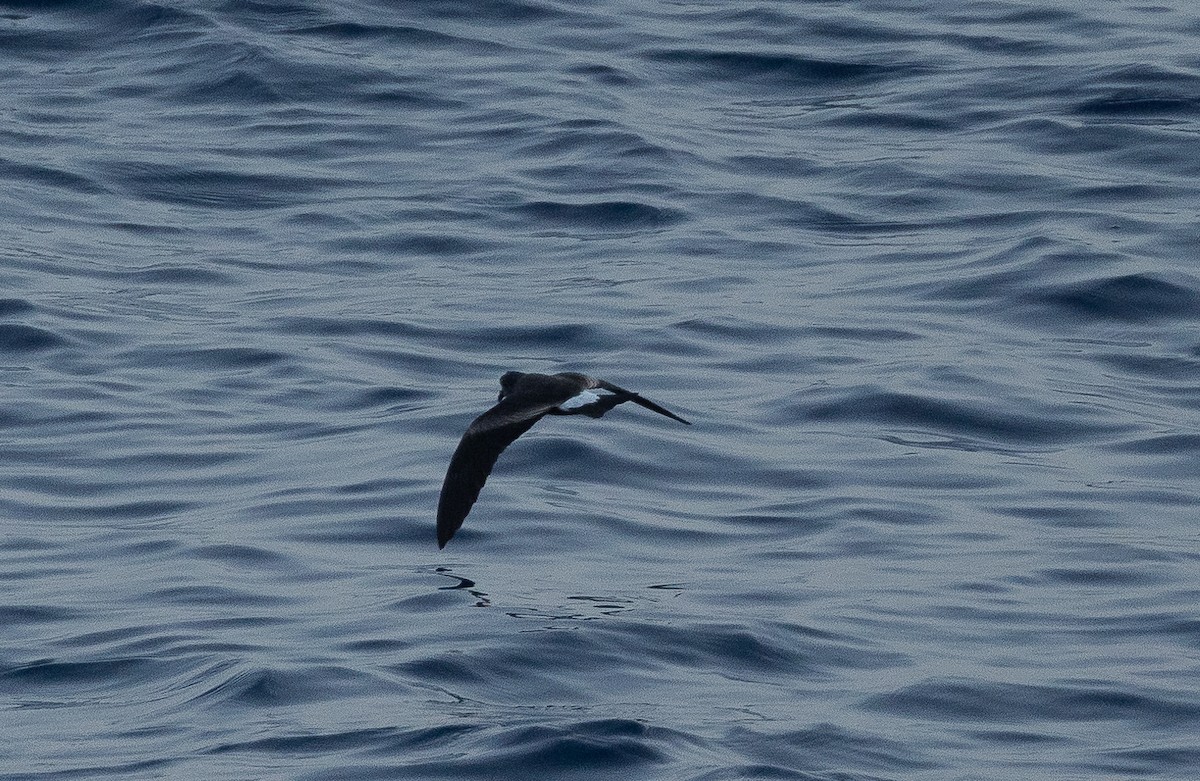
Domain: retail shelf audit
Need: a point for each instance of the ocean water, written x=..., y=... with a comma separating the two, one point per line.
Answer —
x=923, y=275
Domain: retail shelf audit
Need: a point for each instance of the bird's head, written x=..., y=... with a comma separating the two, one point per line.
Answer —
x=507, y=383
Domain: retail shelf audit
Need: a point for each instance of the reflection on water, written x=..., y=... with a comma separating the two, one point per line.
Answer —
x=464, y=584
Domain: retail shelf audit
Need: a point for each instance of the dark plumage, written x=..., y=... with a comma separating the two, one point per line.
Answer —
x=524, y=400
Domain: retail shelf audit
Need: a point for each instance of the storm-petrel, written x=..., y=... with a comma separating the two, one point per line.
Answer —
x=524, y=400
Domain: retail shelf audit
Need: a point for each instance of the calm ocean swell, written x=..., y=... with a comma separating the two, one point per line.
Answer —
x=923, y=277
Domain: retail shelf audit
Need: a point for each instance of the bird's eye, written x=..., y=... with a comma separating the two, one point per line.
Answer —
x=500, y=397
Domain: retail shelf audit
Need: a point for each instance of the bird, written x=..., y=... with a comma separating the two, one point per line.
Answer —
x=525, y=398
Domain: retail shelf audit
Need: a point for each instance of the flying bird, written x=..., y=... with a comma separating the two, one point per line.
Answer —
x=524, y=400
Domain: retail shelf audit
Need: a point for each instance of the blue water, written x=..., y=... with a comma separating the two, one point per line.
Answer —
x=922, y=274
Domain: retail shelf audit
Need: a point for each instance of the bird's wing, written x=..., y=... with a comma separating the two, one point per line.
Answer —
x=476, y=454
x=640, y=400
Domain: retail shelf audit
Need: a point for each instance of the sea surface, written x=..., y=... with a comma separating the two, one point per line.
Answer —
x=924, y=276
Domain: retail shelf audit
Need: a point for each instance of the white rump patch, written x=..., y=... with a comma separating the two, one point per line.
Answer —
x=582, y=400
